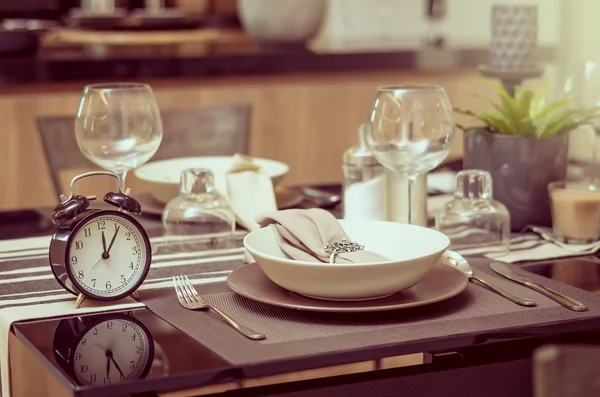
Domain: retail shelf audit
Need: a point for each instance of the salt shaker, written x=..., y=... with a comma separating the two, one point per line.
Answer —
x=473, y=219
x=364, y=185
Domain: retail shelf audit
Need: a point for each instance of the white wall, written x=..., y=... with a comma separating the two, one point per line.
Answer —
x=467, y=23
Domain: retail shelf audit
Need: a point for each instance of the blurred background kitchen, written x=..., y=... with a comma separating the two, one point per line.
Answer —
x=289, y=80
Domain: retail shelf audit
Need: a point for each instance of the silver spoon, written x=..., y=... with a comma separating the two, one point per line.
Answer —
x=456, y=259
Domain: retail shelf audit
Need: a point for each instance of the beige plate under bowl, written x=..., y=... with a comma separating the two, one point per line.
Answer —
x=442, y=282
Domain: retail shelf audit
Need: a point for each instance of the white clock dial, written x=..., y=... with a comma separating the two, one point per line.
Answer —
x=112, y=351
x=107, y=256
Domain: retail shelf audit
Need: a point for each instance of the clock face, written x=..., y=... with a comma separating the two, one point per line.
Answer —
x=112, y=351
x=108, y=256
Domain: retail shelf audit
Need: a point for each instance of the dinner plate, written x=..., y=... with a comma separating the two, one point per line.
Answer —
x=286, y=198
x=442, y=282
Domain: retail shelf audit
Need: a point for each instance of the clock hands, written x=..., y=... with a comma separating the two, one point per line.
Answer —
x=113, y=240
x=107, y=365
x=110, y=357
x=106, y=252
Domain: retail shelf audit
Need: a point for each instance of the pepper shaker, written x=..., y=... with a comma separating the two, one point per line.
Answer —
x=364, y=184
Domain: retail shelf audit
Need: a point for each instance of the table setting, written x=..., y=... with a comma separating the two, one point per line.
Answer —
x=414, y=260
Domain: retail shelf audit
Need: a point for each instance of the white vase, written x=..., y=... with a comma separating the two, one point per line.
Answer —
x=281, y=21
x=514, y=37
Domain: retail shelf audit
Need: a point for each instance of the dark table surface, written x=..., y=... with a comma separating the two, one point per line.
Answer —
x=79, y=63
x=463, y=356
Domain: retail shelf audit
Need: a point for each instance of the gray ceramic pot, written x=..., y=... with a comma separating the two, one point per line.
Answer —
x=521, y=170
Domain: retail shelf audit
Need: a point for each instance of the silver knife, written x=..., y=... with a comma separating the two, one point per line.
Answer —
x=515, y=275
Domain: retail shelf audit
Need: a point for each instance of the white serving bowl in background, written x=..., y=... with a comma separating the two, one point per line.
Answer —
x=161, y=178
x=413, y=251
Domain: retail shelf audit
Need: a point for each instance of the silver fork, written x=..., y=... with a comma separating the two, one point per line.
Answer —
x=189, y=298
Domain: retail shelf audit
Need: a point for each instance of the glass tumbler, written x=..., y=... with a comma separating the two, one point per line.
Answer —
x=473, y=219
x=575, y=211
x=199, y=218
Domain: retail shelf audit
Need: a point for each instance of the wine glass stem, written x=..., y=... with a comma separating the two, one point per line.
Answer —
x=122, y=175
x=411, y=198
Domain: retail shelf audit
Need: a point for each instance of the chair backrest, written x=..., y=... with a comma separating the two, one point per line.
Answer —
x=217, y=131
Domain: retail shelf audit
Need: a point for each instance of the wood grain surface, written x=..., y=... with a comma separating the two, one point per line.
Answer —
x=306, y=121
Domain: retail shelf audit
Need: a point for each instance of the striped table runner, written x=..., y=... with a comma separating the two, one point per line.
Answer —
x=28, y=289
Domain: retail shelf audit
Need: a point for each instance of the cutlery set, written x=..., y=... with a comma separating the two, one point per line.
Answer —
x=189, y=298
x=516, y=275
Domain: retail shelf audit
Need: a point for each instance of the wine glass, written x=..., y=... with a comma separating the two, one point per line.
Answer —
x=582, y=85
x=118, y=126
x=412, y=131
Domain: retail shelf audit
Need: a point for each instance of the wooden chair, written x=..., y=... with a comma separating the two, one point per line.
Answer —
x=218, y=131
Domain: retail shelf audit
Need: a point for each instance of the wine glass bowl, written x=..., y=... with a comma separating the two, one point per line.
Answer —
x=411, y=130
x=118, y=125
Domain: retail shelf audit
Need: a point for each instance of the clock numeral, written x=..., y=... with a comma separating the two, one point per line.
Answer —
x=78, y=245
x=83, y=342
x=135, y=249
x=80, y=274
x=101, y=225
x=138, y=350
x=94, y=282
x=133, y=337
x=108, y=286
x=95, y=331
x=123, y=279
x=73, y=260
x=131, y=265
x=92, y=377
x=117, y=227
x=128, y=236
x=83, y=369
x=124, y=327
x=77, y=356
x=131, y=364
x=87, y=232
x=106, y=381
x=109, y=325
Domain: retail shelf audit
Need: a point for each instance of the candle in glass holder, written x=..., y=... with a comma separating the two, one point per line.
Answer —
x=575, y=211
x=514, y=37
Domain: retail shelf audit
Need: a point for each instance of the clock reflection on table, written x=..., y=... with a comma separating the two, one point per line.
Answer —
x=107, y=348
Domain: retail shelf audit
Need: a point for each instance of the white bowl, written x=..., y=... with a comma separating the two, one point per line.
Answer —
x=413, y=251
x=161, y=178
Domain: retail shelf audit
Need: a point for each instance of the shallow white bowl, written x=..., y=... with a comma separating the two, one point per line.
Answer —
x=161, y=178
x=413, y=251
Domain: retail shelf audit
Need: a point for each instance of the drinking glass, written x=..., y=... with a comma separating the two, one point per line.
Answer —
x=199, y=218
x=118, y=126
x=412, y=131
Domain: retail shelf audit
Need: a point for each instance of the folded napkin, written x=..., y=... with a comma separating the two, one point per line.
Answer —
x=303, y=234
x=248, y=189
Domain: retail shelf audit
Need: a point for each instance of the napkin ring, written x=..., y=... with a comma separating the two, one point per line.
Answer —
x=341, y=247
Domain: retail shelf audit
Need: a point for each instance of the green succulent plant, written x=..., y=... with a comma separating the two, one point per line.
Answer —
x=526, y=114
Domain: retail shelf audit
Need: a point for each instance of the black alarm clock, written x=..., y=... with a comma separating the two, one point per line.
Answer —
x=99, y=254
x=103, y=349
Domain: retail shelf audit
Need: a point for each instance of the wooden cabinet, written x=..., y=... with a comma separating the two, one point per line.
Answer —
x=306, y=121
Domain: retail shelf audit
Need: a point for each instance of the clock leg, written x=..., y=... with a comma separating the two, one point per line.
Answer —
x=79, y=300
x=136, y=296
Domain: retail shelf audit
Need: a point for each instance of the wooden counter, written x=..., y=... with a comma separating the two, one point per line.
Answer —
x=306, y=121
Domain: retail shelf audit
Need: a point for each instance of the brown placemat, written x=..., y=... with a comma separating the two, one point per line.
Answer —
x=293, y=333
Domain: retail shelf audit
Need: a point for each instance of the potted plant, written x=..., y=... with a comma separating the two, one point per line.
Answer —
x=523, y=144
